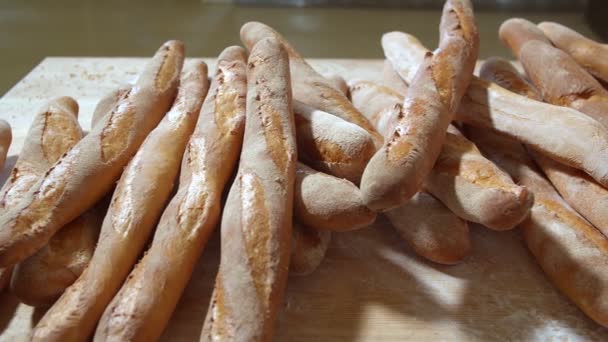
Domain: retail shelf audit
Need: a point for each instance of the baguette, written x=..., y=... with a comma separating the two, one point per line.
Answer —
x=571, y=252
x=40, y=279
x=108, y=102
x=548, y=67
x=94, y=163
x=563, y=134
x=6, y=137
x=143, y=306
x=325, y=202
x=396, y=172
x=53, y=132
x=330, y=144
x=467, y=183
x=578, y=189
x=431, y=229
x=338, y=83
x=438, y=234
x=404, y=53
x=589, y=54
x=308, y=86
x=516, y=32
x=136, y=205
x=391, y=79
x=257, y=219
x=308, y=248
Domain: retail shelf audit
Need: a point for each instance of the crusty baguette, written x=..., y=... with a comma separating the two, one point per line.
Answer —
x=6, y=137
x=431, y=229
x=571, y=252
x=326, y=202
x=308, y=86
x=516, y=32
x=503, y=73
x=308, y=248
x=588, y=53
x=549, y=67
x=107, y=103
x=428, y=226
x=563, y=134
x=136, y=205
x=391, y=79
x=40, y=279
x=466, y=182
x=404, y=53
x=142, y=308
x=94, y=163
x=330, y=144
x=53, y=132
x=396, y=172
x=257, y=217
x=337, y=82
x=577, y=188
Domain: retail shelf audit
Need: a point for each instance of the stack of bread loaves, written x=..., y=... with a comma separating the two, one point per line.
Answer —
x=301, y=157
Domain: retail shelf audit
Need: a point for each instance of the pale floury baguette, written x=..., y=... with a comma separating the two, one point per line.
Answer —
x=588, y=53
x=516, y=32
x=431, y=229
x=577, y=188
x=257, y=218
x=337, y=82
x=308, y=248
x=396, y=172
x=95, y=163
x=467, y=183
x=143, y=306
x=563, y=134
x=6, y=137
x=308, y=86
x=548, y=67
x=391, y=79
x=571, y=252
x=136, y=205
x=53, y=132
x=330, y=144
x=325, y=202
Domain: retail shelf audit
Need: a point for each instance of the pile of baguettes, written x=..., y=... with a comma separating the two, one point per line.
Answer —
x=78, y=210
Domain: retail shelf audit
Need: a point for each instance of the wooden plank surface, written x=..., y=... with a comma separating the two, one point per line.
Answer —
x=370, y=287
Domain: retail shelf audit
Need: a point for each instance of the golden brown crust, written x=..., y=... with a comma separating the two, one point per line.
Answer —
x=107, y=103
x=330, y=144
x=503, y=73
x=308, y=86
x=516, y=32
x=431, y=229
x=585, y=51
x=338, y=209
x=131, y=217
x=257, y=217
x=397, y=170
x=571, y=252
x=144, y=304
x=40, y=279
x=308, y=248
x=94, y=163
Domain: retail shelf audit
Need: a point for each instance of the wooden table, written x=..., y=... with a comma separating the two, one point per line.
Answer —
x=370, y=287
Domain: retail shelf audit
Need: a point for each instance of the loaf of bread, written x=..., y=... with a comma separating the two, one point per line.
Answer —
x=396, y=172
x=6, y=137
x=548, y=67
x=95, y=163
x=404, y=53
x=516, y=32
x=571, y=252
x=308, y=86
x=577, y=188
x=257, y=219
x=326, y=202
x=391, y=79
x=337, y=82
x=431, y=229
x=330, y=144
x=143, y=306
x=136, y=205
x=108, y=103
x=308, y=248
x=563, y=134
x=466, y=182
x=40, y=279
x=588, y=53
x=53, y=132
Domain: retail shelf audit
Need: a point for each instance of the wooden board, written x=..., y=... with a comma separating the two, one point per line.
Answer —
x=370, y=287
